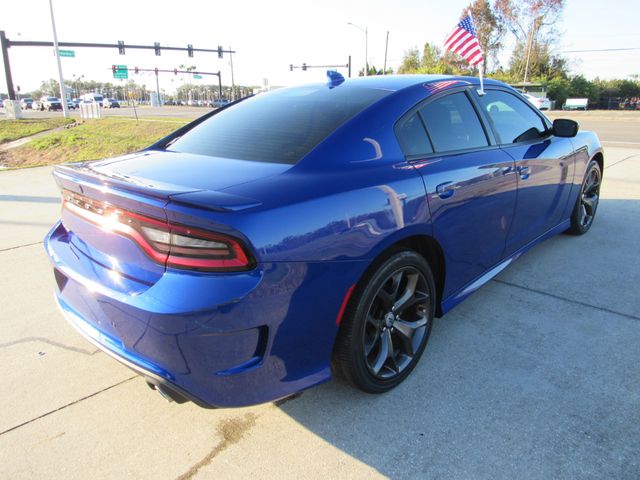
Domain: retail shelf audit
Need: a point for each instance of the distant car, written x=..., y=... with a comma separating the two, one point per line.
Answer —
x=110, y=103
x=218, y=103
x=35, y=105
x=26, y=103
x=71, y=105
x=541, y=103
x=314, y=230
x=50, y=103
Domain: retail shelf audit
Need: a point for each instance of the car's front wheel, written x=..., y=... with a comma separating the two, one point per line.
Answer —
x=386, y=324
x=584, y=211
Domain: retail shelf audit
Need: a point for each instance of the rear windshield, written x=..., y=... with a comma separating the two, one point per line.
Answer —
x=278, y=127
x=52, y=99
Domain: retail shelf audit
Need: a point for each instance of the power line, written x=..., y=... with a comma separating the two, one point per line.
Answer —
x=600, y=50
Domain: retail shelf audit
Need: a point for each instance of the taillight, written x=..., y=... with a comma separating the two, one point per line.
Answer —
x=175, y=245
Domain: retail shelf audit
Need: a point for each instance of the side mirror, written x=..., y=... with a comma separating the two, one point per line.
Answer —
x=563, y=127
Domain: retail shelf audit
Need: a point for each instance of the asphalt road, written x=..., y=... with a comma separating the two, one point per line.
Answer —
x=536, y=376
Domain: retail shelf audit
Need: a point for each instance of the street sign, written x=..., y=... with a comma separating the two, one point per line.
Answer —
x=67, y=53
x=197, y=77
x=121, y=71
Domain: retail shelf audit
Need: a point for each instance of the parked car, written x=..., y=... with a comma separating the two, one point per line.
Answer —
x=110, y=103
x=50, y=103
x=541, y=103
x=26, y=103
x=218, y=103
x=576, y=104
x=312, y=230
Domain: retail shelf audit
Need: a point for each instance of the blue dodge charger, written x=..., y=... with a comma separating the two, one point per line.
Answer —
x=312, y=231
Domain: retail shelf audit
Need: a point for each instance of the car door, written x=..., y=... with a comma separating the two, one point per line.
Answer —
x=470, y=192
x=544, y=165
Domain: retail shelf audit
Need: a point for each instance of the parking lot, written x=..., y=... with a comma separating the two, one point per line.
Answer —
x=537, y=375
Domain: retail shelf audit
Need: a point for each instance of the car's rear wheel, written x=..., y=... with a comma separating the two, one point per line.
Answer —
x=586, y=205
x=386, y=324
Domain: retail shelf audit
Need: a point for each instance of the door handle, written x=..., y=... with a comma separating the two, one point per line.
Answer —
x=524, y=172
x=508, y=170
x=445, y=190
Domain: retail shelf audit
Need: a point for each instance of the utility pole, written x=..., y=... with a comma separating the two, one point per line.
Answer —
x=529, y=46
x=386, y=47
x=158, y=88
x=233, y=85
x=63, y=93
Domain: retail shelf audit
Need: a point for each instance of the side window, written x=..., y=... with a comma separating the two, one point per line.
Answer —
x=453, y=124
x=413, y=137
x=513, y=119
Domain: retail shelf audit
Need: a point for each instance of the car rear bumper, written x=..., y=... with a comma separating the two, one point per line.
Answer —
x=220, y=340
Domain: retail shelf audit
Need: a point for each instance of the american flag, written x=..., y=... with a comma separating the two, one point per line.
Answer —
x=464, y=40
x=437, y=86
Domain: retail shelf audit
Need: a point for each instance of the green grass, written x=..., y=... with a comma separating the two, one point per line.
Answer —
x=15, y=129
x=91, y=140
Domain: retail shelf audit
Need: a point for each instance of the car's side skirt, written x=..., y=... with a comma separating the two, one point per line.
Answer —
x=454, y=299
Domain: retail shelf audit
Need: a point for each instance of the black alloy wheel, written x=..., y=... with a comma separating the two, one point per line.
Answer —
x=387, y=324
x=587, y=203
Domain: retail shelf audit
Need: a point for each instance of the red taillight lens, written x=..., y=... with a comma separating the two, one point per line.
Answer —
x=175, y=245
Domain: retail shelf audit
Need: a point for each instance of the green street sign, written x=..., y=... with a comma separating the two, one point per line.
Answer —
x=197, y=77
x=67, y=53
x=121, y=71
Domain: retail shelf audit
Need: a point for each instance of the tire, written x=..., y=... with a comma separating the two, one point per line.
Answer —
x=584, y=210
x=386, y=324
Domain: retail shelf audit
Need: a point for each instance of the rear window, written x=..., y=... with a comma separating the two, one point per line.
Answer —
x=278, y=127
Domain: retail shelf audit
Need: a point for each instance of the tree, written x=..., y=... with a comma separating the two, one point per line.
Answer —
x=49, y=88
x=410, y=62
x=531, y=22
x=375, y=71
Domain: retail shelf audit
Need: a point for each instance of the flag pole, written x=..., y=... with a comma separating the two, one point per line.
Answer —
x=481, y=66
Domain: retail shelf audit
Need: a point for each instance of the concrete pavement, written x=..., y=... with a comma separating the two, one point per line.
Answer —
x=535, y=376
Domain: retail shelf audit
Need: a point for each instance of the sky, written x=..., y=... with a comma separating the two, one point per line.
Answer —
x=268, y=36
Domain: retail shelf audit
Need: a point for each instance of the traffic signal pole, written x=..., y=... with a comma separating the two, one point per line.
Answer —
x=4, y=44
x=175, y=71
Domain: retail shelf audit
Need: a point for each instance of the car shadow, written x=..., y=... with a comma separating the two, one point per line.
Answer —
x=522, y=380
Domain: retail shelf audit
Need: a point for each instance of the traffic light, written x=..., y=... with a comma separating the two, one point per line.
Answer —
x=190, y=50
x=157, y=48
x=135, y=69
x=219, y=51
x=291, y=67
x=304, y=67
x=113, y=68
x=175, y=71
x=121, y=47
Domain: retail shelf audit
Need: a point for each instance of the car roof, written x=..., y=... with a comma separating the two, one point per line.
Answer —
x=400, y=82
